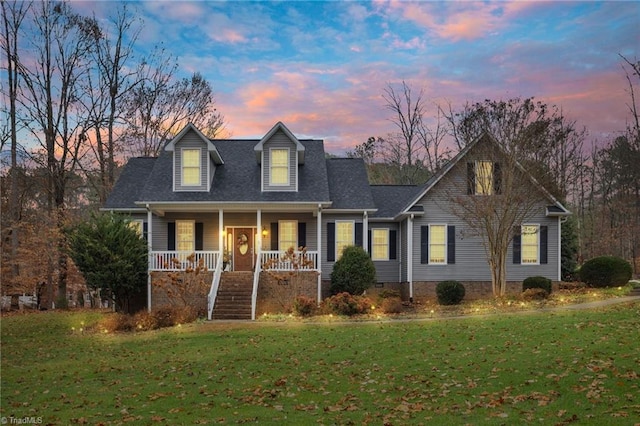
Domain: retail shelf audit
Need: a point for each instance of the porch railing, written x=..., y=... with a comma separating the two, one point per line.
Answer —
x=179, y=260
x=213, y=292
x=256, y=281
x=306, y=261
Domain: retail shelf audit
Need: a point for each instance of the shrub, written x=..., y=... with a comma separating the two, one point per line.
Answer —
x=347, y=304
x=534, y=293
x=606, y=271
x=391, y=305
x=304, y=306
x=450, y=292
x=353, y=273
x=116, y=322
x=537, y=282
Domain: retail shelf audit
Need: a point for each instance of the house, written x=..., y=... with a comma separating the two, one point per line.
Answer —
x=239, y=204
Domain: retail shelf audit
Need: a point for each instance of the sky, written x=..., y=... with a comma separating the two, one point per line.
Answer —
x=321, y=67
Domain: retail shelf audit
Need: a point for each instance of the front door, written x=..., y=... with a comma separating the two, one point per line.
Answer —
x=243, y=249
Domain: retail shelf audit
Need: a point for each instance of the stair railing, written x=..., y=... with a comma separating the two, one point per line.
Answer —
x=256, y=280
x=215, y=284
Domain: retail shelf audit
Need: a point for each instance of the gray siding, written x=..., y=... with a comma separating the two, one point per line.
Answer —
x=191, y=140
x=388, y=271
x=210, y=225
x=327, y=266
x=471, y=259
x=280, y=140
x=308, y=218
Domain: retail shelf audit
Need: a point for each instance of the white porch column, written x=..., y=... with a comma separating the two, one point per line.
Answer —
x=319, y=249
x=410, y=256
x=365, y=232
x=221, y=231
x=150, y=255
x=259, y=232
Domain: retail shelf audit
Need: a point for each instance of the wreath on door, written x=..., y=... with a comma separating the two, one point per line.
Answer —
x=243, y=243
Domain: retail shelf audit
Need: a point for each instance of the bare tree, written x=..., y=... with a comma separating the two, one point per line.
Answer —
x=60, y=42
x=158, y=107
x=12, y=16
x=114, y=75
x=500, y=194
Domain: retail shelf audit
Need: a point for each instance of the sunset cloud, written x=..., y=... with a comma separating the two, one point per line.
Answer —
x=321, y=67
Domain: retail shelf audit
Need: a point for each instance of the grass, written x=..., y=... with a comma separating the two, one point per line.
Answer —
x=562, y=367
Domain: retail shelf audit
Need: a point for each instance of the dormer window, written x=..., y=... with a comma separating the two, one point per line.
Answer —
x=279, y=173
x=191, y=167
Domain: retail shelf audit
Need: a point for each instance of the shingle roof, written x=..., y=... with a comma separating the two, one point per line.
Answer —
x=349, y=184
x=127, y=189
x=238, y=179
x=392, y=199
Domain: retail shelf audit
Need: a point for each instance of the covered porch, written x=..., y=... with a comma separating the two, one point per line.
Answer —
x=233, y=238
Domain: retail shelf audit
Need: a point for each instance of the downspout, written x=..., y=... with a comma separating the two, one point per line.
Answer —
x=410, y=257
x=560, y=221
x=319, y=257
x=149, y=255
x=365, y=232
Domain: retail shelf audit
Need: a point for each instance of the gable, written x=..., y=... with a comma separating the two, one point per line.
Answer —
x=463, y=168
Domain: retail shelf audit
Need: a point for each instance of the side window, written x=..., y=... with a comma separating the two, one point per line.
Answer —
x=529, y=244
x=287, y=234
x=379, y=244
x=185, y=235
x=344, y=236
x=437, y=244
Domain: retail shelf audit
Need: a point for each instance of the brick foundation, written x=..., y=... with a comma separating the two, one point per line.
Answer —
x=197, y=290
x=278, y=295
x=474, y=290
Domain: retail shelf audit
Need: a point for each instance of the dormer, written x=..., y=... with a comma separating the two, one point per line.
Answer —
x=195, y=159
x=280, y=154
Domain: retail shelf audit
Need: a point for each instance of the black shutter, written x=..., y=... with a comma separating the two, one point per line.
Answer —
x=171, y=236
x=471, y=178
x=331, y=241
x=199, y=236
x=451, y=244
x=274, y=236
x=393, y=247
x=358, y=240
x=497, y=178
x=369, y=242
x=517, y=244
x=145, y=231
x=424, y=244
x=544, y=238
x=302, y=234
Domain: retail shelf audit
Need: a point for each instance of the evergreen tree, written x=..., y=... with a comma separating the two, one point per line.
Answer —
x=112, y=257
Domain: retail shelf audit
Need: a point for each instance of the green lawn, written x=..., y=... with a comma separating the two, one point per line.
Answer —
x=565, y=367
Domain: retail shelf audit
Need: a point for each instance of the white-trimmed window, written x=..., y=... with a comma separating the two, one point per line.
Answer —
x=345, y=235
x=279, y=172
x=530, y=243
x=138, y=226
x=185, y=235
x=190, y=167
x=379, y=244
x=287, y=234
x=484, y=178
x=437, y=244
